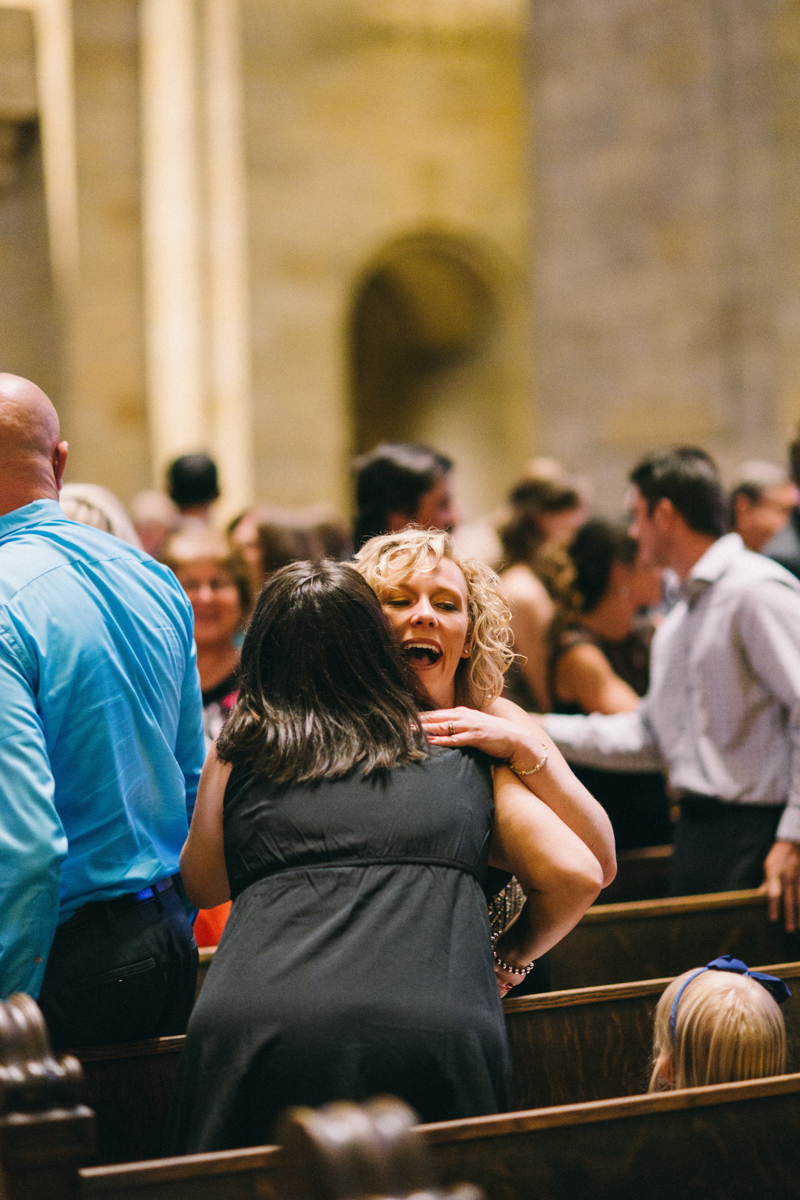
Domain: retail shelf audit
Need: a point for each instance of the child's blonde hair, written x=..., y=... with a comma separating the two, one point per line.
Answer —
x=391, y=557
x=727, y=1027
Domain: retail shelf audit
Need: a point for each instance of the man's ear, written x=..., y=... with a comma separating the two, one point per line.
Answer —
x=59, y=461
x=664, y=513
x=741, y=506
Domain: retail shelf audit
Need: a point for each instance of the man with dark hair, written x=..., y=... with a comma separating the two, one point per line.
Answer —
x=193, y=485
x=688, y=478
x=399, y=484
x=101, y=748
x=723, y=709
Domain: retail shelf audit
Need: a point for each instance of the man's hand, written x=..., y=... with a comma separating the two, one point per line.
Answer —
x=782, y=878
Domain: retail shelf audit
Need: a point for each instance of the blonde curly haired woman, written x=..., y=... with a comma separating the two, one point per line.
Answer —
x=453, y=628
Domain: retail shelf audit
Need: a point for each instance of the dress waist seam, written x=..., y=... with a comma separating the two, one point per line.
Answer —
x=400, y=860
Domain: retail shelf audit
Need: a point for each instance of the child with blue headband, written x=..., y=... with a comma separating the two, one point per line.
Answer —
x=719, y=1024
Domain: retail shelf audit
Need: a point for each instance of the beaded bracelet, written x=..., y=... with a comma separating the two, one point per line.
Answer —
x=513, y=970
x=504, y=966
x=533, y=770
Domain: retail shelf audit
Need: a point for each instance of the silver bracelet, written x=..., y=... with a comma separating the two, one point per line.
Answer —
x=533, y=770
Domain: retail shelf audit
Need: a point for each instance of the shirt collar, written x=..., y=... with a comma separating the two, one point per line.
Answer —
x=37, y=513
x=711, y=566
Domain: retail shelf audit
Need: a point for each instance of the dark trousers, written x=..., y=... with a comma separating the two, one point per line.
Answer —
x=721, y=847
x=120, y=972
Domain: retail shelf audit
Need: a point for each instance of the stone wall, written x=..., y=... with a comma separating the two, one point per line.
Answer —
x=385, y=159
x=664, y=259
x=372, y=121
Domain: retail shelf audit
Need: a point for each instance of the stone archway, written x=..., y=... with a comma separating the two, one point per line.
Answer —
x=428, y=337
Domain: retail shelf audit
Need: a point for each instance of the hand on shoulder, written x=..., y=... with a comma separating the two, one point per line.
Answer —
x=494, y=733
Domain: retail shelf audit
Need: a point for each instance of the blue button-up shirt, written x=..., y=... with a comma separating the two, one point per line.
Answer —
x=101, y=734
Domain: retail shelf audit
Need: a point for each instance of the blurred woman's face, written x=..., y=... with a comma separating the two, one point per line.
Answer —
x=562, y=526
x=215, y=601
x=428, y=613
x=630, y=588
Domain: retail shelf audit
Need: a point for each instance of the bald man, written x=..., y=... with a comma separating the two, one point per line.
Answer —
x=101, y=747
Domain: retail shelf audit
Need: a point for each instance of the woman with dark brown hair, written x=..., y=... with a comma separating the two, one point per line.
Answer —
x=357, y=958
x=599, y=661
x=545, y=514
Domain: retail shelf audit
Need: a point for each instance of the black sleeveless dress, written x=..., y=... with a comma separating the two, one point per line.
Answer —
x=636, y=801
x=356, y=959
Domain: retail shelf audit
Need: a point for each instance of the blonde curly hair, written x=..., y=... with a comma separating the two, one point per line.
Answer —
x=386, y=559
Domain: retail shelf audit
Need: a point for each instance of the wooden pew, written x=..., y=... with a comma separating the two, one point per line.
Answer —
x=205, y=954
x=228, y=1175
x=566, y=1047
x=595, y=1043
x=342, y=1151
x=45, y=1133
x=621, y=943
x=642, y=874
x=129, y=1087
x=40, y=1152
x=730, y=1142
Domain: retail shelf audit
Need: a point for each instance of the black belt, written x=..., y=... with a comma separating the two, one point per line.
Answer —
x=705, y=808
x=97, y=909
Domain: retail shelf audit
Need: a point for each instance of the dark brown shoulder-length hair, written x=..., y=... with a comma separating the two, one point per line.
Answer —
x=322, y=688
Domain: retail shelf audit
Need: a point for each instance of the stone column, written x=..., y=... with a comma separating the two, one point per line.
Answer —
x=230, y=424
x=172, y=228
x=195, y=258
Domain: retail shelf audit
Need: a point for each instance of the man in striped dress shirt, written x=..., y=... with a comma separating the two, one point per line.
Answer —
x=722, y=714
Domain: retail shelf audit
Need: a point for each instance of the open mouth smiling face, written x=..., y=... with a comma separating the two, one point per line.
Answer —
x=428, y=613
x=421, y=654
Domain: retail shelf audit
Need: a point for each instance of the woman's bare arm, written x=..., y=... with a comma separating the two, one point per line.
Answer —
x=203, y=870
x=584, y=676
x=558, y=873
x=508, y=733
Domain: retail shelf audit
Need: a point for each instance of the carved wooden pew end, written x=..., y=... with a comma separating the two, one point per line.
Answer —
x=45, y=1133
x=347, y=1151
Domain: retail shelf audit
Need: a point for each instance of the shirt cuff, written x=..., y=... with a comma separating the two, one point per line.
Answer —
x=789, y=825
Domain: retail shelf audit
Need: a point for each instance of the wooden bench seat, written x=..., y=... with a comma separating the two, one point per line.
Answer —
x=650, y=939
x=730, y=1142
x=566, y=1047
x=595, y=1043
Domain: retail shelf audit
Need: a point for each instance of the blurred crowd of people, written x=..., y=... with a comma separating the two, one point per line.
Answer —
x=584, y=604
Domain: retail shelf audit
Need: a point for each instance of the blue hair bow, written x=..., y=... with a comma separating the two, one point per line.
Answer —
x=776, y=987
